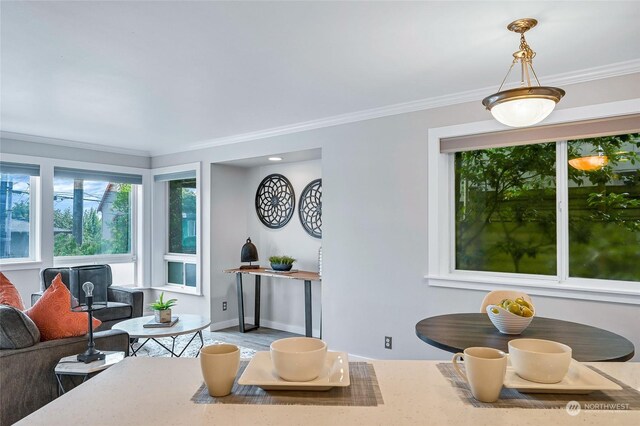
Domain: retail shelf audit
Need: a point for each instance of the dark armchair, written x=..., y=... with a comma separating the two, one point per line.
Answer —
x=122, y=303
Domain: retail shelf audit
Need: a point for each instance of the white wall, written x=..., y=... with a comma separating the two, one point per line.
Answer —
x=282, y=301
x=228, y=233
x=375, y=233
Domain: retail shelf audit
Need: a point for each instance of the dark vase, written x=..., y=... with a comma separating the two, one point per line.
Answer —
x=281, y=266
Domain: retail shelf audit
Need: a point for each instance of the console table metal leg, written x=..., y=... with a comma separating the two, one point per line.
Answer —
x=257, y=301
x=241, y=324
x=240, y=302
x=307, y=309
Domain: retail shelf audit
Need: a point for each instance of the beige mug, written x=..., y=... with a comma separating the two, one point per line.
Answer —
x=485, y=370
x=220, y=364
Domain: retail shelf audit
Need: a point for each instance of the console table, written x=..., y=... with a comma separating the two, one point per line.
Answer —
x=305, y=276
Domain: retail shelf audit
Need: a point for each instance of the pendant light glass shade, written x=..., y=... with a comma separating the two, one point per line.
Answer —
x=526, y=105
x=523, y=112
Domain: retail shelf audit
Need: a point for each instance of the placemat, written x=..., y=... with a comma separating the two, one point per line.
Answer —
x=363, y=392
x=625, y=399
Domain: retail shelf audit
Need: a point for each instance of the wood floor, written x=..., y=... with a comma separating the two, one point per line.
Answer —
x=259, y=339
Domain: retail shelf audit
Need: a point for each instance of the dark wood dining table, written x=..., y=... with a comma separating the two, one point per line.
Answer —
x=455, y=332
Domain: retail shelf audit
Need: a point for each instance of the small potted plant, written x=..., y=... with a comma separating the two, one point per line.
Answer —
x=281, y=263
x=163, y=309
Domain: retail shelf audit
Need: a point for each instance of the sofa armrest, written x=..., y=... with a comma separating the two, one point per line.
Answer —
x=35, y=297
x=130, y=296
x=27, y=376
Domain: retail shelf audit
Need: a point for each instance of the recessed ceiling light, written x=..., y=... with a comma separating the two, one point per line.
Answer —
x=275, y=158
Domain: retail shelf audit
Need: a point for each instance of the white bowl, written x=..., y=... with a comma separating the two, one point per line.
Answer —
x=507, y=322
x=298, y=359
x=541, y=361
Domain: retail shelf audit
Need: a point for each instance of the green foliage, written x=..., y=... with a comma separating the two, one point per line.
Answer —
x=65, y=243
x=63, y=219
x=503, y=191
x=282, y=260
x=92, y=237
x=20, y=211
x=161, y=305
x=506, y=209
x=182, y=210
x=120, y=226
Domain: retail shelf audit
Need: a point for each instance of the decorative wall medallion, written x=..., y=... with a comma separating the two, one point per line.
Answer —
x=275, y=201
x=310, y=208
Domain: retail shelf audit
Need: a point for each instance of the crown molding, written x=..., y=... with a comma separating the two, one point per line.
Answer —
x=21, y=137
x=574, y=77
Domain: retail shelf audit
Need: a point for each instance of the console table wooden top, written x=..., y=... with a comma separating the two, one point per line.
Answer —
x=299, y=275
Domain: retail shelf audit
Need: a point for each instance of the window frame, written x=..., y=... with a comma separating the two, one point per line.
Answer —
x=34, y=229
x=441, y=220
x=131, y=257
x=160, y=221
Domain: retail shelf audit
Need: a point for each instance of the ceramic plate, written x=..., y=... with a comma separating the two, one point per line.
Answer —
x=260, y=372
x=580, y=379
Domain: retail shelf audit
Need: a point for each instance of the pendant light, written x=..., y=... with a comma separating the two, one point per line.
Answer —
x=590, y=163
x=526, y=105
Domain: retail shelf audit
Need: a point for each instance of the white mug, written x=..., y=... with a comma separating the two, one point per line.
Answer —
x=220, y=364
x=485, y=368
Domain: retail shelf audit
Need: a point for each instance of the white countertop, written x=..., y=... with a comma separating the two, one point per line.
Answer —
x=157, y=391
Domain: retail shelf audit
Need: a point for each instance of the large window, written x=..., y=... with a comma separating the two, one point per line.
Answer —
x=506, y=199
x=17, y=213
x=552, y=210
x=93, y=212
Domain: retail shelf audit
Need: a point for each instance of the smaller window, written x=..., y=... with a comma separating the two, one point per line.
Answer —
x=181, y=273
x=181, y=216
x=17, y=219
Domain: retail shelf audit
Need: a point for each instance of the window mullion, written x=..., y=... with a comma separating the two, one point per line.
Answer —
x=562, y=210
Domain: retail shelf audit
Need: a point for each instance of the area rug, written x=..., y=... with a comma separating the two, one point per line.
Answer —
x=152, y=349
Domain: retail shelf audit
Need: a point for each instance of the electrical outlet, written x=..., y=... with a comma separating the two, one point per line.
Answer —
x=388, y=342
x=224, y=306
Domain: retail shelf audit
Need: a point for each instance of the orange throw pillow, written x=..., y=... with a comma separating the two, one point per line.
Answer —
x=53, y=316
x=9, y=293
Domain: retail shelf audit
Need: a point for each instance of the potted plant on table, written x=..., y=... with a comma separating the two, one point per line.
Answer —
x=281, y=263
x=163, y=309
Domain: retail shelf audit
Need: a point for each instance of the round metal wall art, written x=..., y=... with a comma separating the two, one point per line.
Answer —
x=310, y=208
x=275, y=201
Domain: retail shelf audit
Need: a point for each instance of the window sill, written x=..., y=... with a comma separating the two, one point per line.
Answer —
x=547, y=287
x=175, y=289
x=20, y=265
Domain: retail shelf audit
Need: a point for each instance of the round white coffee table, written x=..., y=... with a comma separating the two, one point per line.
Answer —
x=188, y=323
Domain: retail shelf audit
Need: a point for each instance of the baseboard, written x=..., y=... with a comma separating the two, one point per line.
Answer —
x=221, y=325
x=285, y=327
x=263, y=323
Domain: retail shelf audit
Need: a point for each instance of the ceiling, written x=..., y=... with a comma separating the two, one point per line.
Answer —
x=163, y=77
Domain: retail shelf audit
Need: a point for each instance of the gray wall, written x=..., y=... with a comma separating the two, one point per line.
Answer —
x=374, y=225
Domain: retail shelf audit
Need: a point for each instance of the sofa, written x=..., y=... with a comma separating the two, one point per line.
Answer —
x=27, y=379
x=122, y=303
